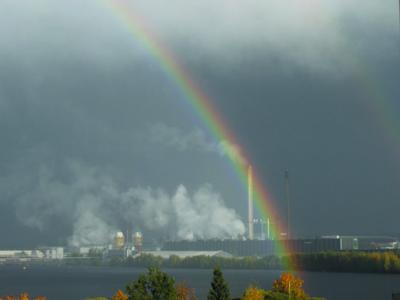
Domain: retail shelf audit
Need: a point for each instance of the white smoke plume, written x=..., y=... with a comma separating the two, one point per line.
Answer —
x=201, y=215
x=89, y=229
x=195, y=140
x=181, y=141
x=97, y=207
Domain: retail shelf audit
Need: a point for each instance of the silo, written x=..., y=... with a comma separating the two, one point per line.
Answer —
x=119, y=240
x=138, y=241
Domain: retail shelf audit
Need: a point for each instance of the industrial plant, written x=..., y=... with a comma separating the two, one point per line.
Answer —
x=266, y=244
x=261, y=244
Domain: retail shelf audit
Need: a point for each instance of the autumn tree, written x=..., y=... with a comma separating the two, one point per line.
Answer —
x=184, y=292
x=290, y=285
x=120, y=295
x=219, y=288
x=23, y=296
x=155, y=285
x=254, y=293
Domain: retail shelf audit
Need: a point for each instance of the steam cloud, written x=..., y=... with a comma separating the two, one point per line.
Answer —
x=196, y=140
x=176, y=138
x=98, y=207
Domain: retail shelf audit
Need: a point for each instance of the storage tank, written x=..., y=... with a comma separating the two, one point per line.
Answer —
x=138, y=241
x=119, y=240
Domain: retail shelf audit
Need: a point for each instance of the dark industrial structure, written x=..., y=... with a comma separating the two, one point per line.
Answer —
x=271, y=247
x=256, y=247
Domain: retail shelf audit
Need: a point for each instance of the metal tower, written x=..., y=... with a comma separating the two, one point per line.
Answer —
x=287, y=198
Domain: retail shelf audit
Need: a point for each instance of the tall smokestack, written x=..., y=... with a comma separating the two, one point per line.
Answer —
x=250, y=203
x=287, y=198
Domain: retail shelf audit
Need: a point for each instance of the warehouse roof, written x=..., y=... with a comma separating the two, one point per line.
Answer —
x=184, y=254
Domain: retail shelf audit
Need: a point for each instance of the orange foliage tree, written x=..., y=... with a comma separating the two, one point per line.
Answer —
x=120, y=295
x=253, y=293
x=24, y=296
x=290, y=285
x=183, y=292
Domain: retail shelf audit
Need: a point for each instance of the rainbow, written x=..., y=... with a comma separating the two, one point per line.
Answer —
x=205, y=109
x=378, y=101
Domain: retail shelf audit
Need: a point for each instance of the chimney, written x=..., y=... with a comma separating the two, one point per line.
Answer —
x=250, y=203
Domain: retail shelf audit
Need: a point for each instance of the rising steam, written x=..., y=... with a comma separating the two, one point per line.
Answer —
x=97, y=207
x=195, y=140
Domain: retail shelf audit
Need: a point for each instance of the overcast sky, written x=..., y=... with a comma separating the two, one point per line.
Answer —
x=90, y=123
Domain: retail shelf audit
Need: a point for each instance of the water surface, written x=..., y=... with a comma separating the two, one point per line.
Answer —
x=66, y=283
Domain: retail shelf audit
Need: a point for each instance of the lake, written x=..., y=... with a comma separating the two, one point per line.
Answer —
x=66, y=283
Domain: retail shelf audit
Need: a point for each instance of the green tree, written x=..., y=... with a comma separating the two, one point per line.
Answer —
x=219, y=288
x=155, y=285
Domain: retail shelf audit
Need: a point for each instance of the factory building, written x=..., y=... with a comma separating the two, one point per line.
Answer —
x=270, y=247
x=85, y=250
x=121, y=253
x=52, y=252
x=313, y=245
x=20, y=255
x=366, y=243
x=124, y=246
x=235, y=247
x=43, y=253
x=187, y=254
x=254, y=247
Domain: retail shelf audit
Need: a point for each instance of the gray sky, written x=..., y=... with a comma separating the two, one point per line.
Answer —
x=94, y=135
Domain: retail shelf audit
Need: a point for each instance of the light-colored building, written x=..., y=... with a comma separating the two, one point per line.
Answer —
x=365, y=242
x=85, y=250
x=117, y=253
x=20, y=255
x=53, y=252
x=185, y=254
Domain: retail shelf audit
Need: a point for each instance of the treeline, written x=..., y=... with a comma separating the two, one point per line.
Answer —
x=155, y=285
x=363, y=262
x=202, y=262
x=23, y=296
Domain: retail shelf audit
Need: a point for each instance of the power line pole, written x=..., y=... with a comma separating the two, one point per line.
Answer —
x=287, y=198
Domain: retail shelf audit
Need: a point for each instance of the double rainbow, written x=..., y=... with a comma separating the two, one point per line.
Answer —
x=204, y=108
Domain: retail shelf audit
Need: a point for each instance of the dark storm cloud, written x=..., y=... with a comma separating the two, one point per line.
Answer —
x=81, y=104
